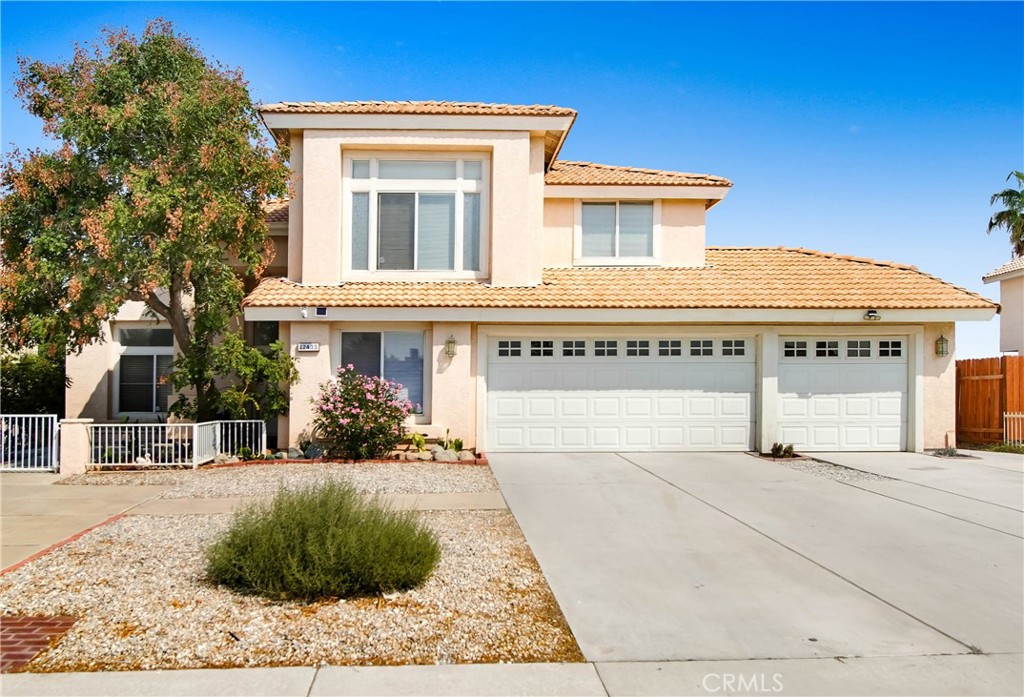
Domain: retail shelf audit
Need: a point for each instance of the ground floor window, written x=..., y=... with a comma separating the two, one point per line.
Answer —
x=395, y=356
x=145, y=363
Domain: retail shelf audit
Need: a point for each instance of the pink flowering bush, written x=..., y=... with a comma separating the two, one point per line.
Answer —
x=360, y=417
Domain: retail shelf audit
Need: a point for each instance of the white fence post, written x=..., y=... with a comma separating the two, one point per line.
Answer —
x=1013, y=428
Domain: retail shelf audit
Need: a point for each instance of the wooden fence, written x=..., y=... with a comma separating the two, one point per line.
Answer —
x=987, y=388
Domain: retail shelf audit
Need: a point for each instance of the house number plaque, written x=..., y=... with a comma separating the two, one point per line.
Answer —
x=310, y=347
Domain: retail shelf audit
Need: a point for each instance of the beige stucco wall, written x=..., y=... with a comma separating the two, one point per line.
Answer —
x=939, y=388
x=682, y=233
x=90, y=395
x=451, y=386
x=1011, y=316
x=558, y=232
x=314, y=368
x=516, y=196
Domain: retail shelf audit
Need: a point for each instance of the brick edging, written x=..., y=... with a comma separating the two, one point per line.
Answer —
x=480, y=461
x=44, y=552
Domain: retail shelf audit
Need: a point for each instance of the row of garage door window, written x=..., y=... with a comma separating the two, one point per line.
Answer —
x=825, y=348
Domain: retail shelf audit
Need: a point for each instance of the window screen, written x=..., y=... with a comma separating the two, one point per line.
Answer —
x=396, y=219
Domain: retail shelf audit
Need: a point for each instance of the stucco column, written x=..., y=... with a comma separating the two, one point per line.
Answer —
x=767, y=390
x=453, y=384
x=314, y=368
x=74, y=445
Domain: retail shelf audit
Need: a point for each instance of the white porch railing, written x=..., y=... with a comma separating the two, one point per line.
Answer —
x=28, y=442
x=1013, y=428
x=173, y=445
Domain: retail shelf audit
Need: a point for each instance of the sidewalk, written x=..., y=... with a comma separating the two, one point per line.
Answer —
x=911, y=675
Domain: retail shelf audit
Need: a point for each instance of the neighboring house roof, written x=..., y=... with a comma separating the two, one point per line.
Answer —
x=1010, y=269
x=429, y=107
x=277, y=210
x=589, y=173
x=734, y=277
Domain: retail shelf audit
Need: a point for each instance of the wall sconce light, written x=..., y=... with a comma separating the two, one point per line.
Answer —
x=872, y=316
x=942, y=346
x=451, y=346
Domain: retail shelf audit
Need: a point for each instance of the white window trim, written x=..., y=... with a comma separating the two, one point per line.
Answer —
x=577, y=245
x=135, y=351
x=374, y=186
x=423, y=419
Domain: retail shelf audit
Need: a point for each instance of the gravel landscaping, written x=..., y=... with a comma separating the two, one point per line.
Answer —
x=836, y=473
x=265, y=480
x=138, y=589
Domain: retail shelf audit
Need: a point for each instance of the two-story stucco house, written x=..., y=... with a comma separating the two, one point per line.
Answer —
x=528, y=303
x=1010, y=277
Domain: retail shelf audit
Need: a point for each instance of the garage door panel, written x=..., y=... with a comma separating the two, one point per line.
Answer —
x=572, y=407
x=637, y=407
x=573, y=437
x=608, y=407
x=843, y=402
x=620, y=402
x=509, y=407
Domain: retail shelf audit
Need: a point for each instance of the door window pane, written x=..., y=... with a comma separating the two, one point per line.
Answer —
x=471, y=232
x=636, y=230
x=136, y=383
x=362, y=351
x=361, y=231
x=416, y=169
x=403, y=363
x=436, y=232
x=598, y=229
x=163, y=386
x=396, y=217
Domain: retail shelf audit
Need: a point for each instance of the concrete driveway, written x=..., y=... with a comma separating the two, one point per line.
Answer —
x=728, y=558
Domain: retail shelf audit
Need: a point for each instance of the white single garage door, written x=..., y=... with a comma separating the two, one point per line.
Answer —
x=843, y=393
x=643, y=393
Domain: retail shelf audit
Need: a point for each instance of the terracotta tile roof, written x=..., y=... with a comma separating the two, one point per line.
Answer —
x=567, y=172
x=431, y=107
x=735, y=277
x=277, y=210
x=1015, y=264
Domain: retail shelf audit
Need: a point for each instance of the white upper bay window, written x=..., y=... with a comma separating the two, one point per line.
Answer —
x=617, y=233
x=417, y=212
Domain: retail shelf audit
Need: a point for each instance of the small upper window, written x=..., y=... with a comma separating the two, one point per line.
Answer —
x=638, y=347
x=510, y=348
x=826, y=349
x=794, y=349
x=890, y=348
x=617, y=230
x=542, y=348
x=858, y=348
x=670, y=347
x=734, y=347
x=574, y=348
x=701, y=347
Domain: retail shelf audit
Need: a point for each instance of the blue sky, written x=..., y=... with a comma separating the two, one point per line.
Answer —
x=874, y=129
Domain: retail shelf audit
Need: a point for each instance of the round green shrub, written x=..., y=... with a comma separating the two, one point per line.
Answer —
x=324, y=541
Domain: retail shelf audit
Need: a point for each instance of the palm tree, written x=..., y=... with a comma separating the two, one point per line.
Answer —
x=1012, y=217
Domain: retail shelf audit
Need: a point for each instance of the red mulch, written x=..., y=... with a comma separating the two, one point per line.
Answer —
x=482, y=460
x=22, y=637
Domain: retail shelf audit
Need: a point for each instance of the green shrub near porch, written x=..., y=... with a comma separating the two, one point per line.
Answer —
x=326, y=541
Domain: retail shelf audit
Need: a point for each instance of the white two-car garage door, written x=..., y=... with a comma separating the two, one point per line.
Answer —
x=839, y=393
x=642, y=393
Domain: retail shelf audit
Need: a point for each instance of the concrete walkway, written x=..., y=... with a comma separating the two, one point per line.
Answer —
x=38, y=514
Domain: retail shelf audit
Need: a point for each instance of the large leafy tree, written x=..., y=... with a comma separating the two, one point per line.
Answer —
x=1011, y=218
x=154, y=194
